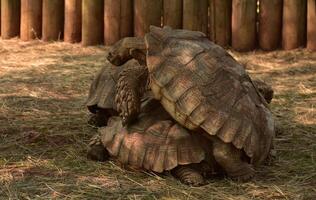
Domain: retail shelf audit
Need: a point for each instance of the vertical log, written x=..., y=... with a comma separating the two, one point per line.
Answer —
x=72, y=25
x=172, y=13
x=195, y=15
x=311, y=25
x=244, y=24
x=10, y=18
x=118, y=20
x=146, y=13
x=220, y=21
x=294, y=24
x=31, y=19
x=0, y=17
x=53, y=20
x=270, y=24
x=92, y=22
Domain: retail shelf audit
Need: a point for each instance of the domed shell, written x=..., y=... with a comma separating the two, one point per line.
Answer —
x=203, y=87
x=154, y=142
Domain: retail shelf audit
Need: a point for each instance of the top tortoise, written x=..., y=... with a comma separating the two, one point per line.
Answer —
x=203, y=88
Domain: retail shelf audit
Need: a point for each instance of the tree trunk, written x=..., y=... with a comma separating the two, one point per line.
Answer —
x=31, y=19
x=311, y=25
x=72, y=26
x=270, y=24
x=92, y=22
x=244, y=24
x=172, y=13
x=118, y=23
x=195, y=15
x=10, y=18
x=53, y=20
x=220, y=21
x=294, y=24
x=146, y=13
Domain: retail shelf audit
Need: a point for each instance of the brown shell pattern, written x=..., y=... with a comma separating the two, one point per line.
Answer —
x=202, y=86
x=154, y=142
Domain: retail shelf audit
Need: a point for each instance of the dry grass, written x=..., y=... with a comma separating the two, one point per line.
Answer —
x=43, y=130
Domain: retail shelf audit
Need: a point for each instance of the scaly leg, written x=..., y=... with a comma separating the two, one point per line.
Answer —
x=188, y=175
x=131, y=86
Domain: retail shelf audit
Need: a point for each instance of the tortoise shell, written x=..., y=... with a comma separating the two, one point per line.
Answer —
x=204, y=88
x=103, y=87
x=154, y=142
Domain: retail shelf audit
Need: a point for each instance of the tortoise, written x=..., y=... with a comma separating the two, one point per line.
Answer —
x=204, y=89
x=155, y=142
x=100, y=101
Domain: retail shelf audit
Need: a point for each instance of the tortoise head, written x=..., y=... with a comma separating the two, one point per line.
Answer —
x=118, y=54
x=126, y=49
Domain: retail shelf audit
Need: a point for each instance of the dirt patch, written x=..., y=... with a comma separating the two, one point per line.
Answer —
x=43, y=130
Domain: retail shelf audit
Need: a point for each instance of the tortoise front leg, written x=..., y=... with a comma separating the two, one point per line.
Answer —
x=130, y=87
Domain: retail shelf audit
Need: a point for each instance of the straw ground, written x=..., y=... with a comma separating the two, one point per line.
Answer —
x=44, y=134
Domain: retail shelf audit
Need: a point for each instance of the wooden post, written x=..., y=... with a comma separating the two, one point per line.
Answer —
x=311, y=25
x=244, y=24
x=146, y=13
x=220, y=21
x=92, y=22
x=31, y=19
x=270, y=24
x=294, y=24
x=172, y=13
x=0, y=17
x=72, y=25
x=118, y=20
x=53, y=20
x=195, y=15
x=10, y=18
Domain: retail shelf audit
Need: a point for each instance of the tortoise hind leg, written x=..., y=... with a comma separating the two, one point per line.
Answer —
x=188, y=175
x=230, y=159
x=96, y=151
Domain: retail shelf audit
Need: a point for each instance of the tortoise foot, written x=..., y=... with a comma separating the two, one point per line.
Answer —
x=96, y=150
x=97, y=153
x=243, y=173
x=188, y=176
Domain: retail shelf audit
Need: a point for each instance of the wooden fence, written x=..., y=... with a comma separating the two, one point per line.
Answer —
x=243, y=24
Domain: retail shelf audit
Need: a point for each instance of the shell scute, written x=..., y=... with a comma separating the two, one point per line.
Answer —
x=154, y=142
x=214, y=121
